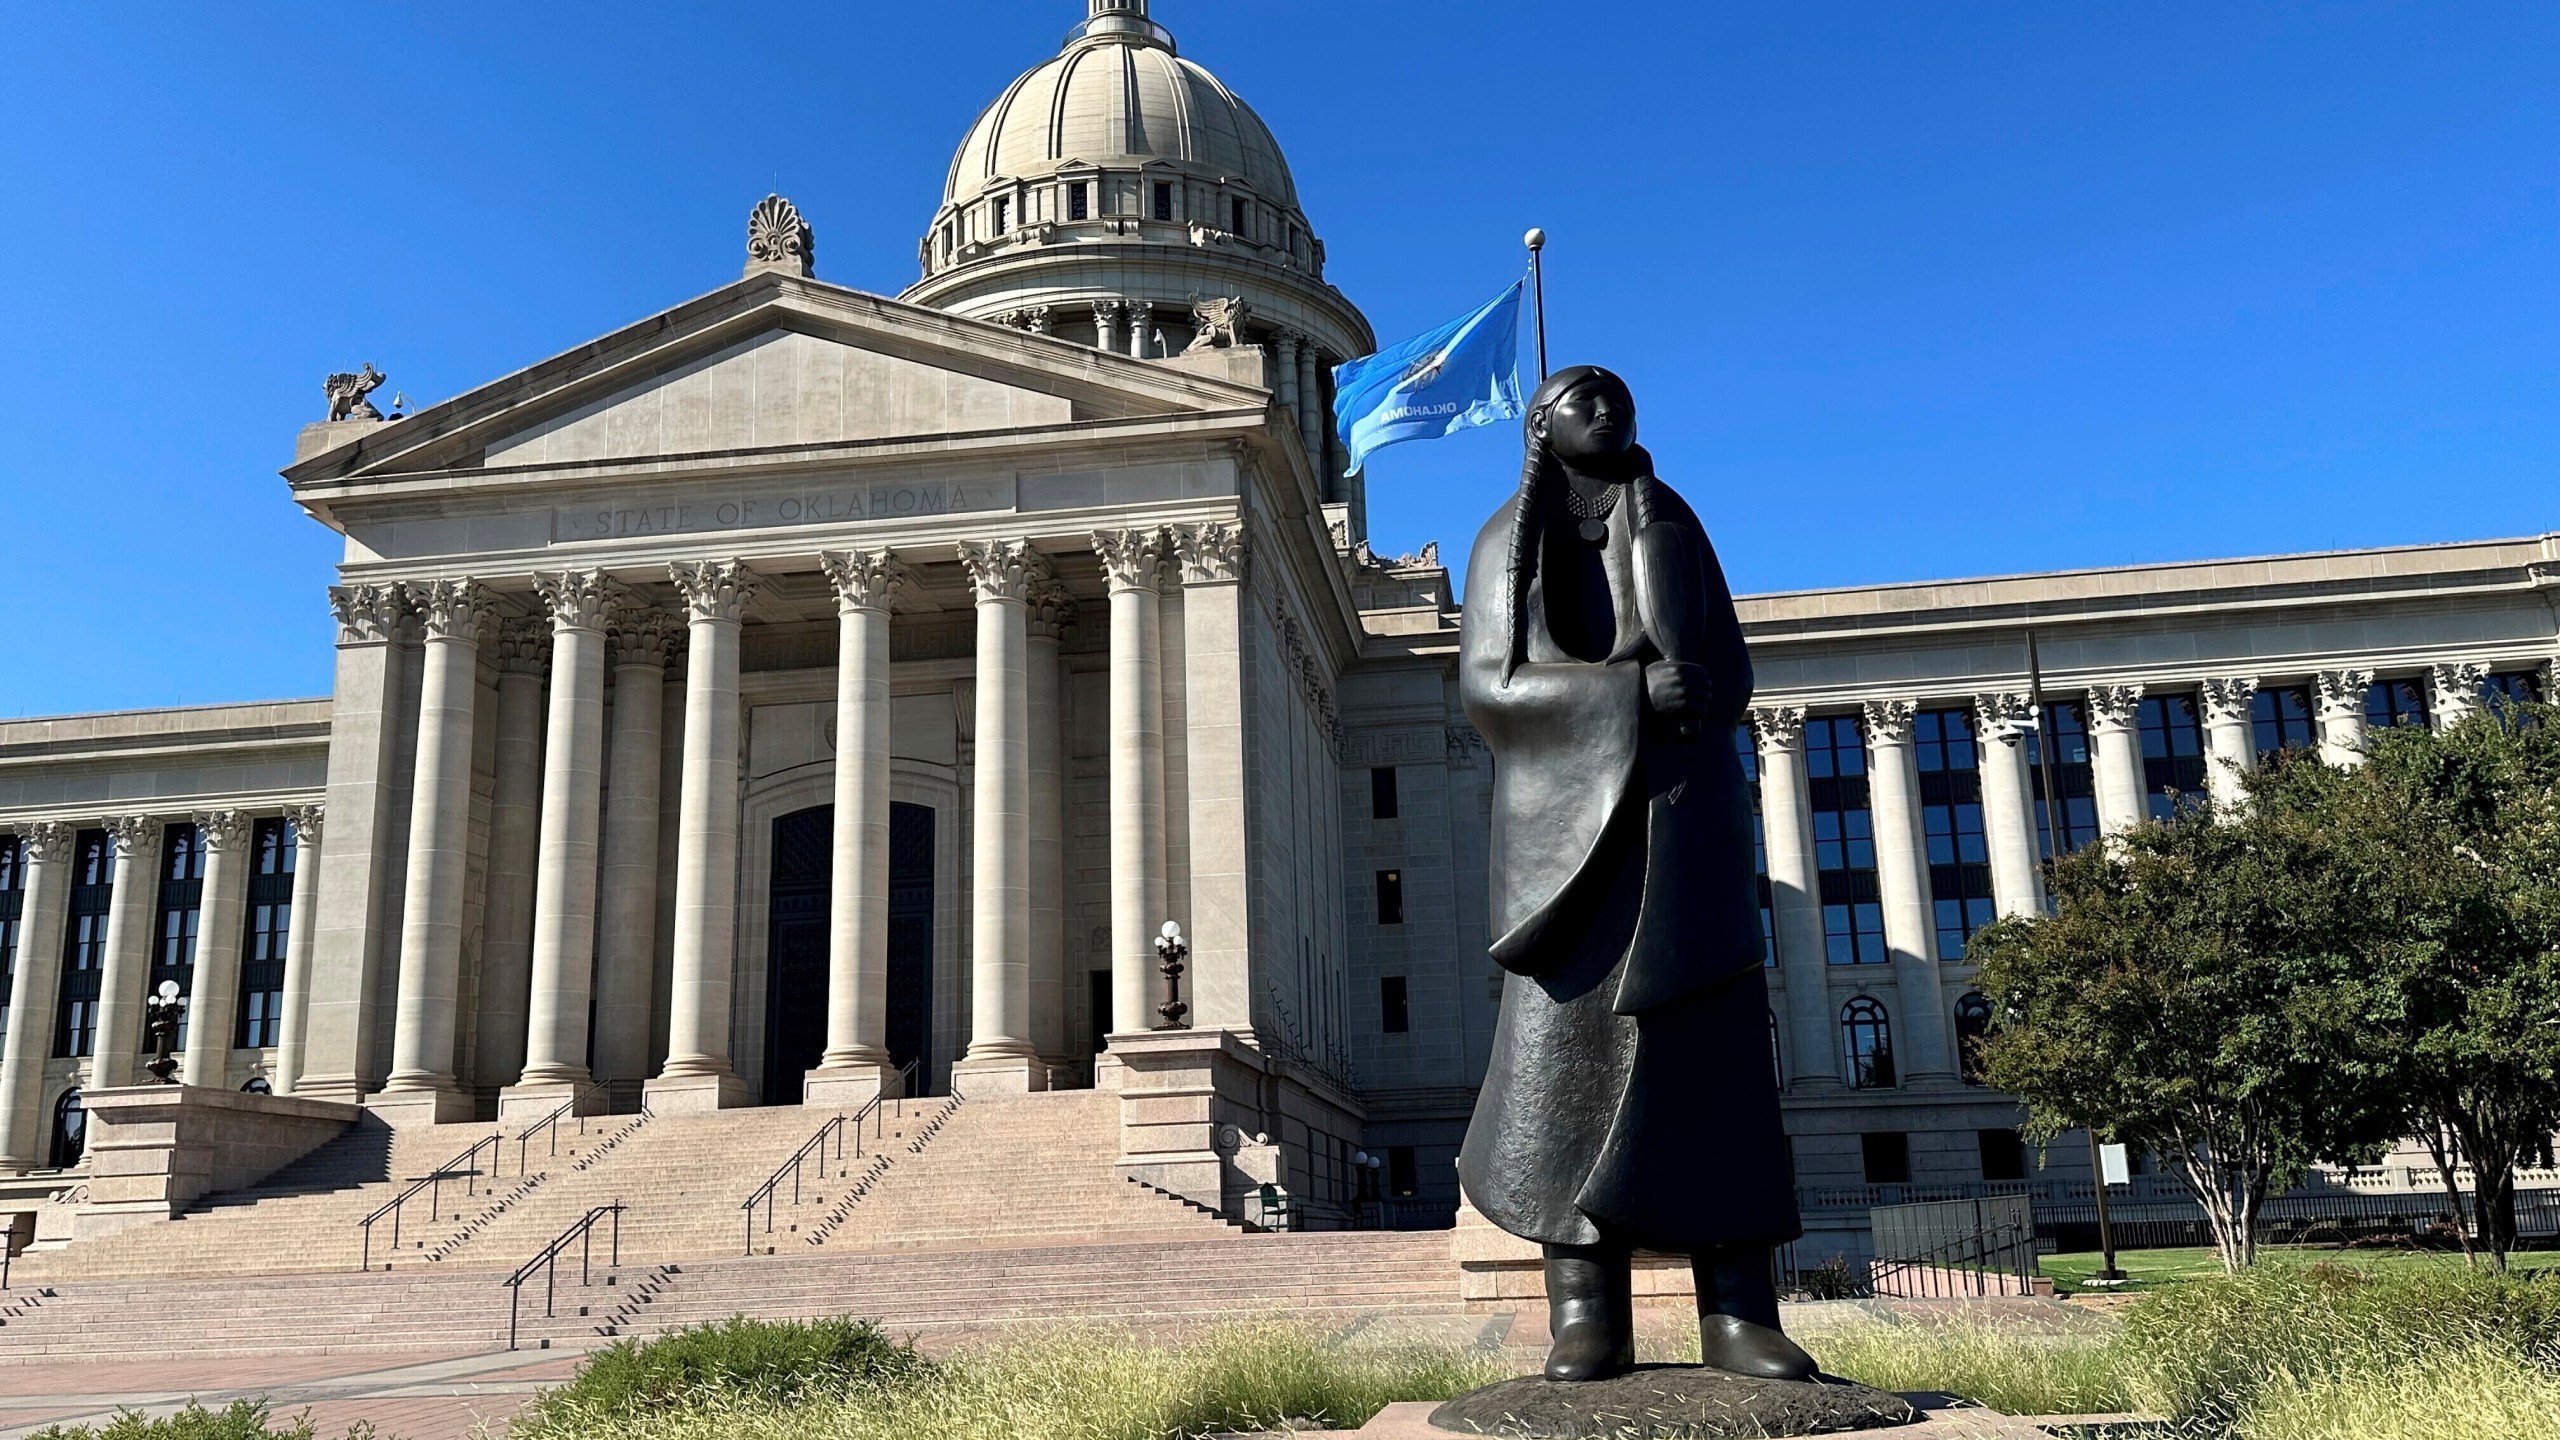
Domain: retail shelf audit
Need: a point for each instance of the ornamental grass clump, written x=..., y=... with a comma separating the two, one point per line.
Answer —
x=2279, y=1345
x=738, y=1361
x=240, y=1420
x=2018, y=1367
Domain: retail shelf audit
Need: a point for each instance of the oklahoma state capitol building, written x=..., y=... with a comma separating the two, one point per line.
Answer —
x=804, y=693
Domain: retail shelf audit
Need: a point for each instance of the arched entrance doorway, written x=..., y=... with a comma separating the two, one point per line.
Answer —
x=796, y=939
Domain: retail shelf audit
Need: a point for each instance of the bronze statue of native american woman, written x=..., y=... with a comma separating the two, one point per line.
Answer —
x=1631, y=1102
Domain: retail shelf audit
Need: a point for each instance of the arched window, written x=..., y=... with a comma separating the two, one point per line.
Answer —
x=1868, y=1034
x=258, y=1086
x=70, y=1130
x=1973, y=1027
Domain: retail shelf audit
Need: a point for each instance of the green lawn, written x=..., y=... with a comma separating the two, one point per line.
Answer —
x=2150, y=1269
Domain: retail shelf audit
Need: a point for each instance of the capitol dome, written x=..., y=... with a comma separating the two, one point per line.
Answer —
x=1117, y=186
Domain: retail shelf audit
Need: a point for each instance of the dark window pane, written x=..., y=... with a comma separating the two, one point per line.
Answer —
x=1393, y=1018
x=1382, y=792
x=1390, y=897
x=1887, y=1155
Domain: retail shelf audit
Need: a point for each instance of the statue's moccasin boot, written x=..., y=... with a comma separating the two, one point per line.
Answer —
x=1589, y=1343
x=1739, y=1347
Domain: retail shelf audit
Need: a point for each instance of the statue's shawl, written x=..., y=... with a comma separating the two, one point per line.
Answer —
x=1564, y=739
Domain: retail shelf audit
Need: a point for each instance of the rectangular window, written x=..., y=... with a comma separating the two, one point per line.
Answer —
x=274, y=850
x=2076, y=795
x=1393, y=1018
x=1382, y=792
x=2395, y=702
x=1951, y=813
x=2172, y=752
x=1404, y=1174
x=1844, y=841
x=1390, y=897
x=1164, y=201
x=1749, y=754
x=2282, y=718
x=180, y=906
x=1888, y=1157
x=1242, y=213
x=1003, y=211
x=84, y=944
x=2004, y=1155
x=1097, y=1014
x=1079, y=201
x=2512, y=687
x=13, y=896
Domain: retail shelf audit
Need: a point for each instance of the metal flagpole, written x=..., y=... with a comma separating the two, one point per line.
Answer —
x=1538, y=285
x=2061, y=841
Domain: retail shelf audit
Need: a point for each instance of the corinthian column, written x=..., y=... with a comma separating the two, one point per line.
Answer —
x=2002, y=724
x=1134, y=562
x=515, y=846
x=44, y=907
x=697, y=1074
x=422, y=1041
x=293, y=1027
x=627, y=867
x=1106, y=324
x=1312, y=419
x=2342, y=695
x=564, y=884
x=1795, y=896
x=2117, y=756
x=855, y=1066
x=1213, y=560
x=355, y=895
x=213, y=1002
x=1284, y=364
x=2230, y=745
x=1142, y=321
x=1001, y=1057
x=1924, y=1038
x=1053, y=613
x=2457, y=691
x=127, y=963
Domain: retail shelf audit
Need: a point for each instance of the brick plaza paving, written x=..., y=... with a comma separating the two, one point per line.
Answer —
x=420, y=1397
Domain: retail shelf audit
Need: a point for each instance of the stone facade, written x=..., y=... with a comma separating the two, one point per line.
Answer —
x=807, y=694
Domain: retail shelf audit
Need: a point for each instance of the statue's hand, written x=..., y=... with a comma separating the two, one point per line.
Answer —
x=1676, y=687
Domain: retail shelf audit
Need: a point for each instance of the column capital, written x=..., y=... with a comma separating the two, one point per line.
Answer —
x=1465, y=744
x=131, y=832
x=580, y=599
x=642, y=637
x=1778, y=728
x=368, y=614
x=221, y=830
x=46, y=840
x=307, y=822
x=1053, y=608
x=2113, y=707
x=2004, y=717
x=524, y=646
x=1001, y=570
x=715, y=589
x=1889, y=722
x=2342, y=692
x=1133, y=559
x=2227, y=700
x=1035, y=318
x=1106, y=312
x=864, y=579
x=1211, y=554
x=450, y=609
x=2457, y=686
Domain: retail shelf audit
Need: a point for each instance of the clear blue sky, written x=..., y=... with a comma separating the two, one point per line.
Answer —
x=1904, y=290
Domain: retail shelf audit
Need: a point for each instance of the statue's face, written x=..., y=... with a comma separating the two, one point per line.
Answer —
x=1591, y=422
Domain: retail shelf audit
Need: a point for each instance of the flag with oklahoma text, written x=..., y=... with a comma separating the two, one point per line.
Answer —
x=1464, y=374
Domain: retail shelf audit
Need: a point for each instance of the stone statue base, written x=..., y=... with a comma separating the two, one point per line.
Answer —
x=1669, y=1402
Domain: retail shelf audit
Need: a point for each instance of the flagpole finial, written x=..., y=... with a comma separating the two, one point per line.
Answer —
x=1536, y=240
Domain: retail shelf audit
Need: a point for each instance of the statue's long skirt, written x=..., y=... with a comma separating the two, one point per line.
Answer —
x=1658, y=1131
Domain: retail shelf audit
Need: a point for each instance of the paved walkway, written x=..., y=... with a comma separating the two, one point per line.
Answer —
x=428, y=1397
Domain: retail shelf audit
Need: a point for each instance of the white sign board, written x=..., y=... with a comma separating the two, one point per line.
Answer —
x=2116, y=1164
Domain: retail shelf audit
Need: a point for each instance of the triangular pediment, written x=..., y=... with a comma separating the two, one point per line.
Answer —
x=770, y=366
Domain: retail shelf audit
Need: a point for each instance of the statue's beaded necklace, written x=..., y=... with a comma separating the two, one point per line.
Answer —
x=1592, y=512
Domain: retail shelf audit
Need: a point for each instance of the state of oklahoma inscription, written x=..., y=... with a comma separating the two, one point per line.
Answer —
x=770, y=506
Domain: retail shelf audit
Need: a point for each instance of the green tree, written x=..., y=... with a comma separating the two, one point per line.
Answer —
x=2188, y=994
x=2451, y=843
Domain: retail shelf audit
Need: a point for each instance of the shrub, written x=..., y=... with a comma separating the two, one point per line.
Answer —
x=770, y=1362
x=240, y=1420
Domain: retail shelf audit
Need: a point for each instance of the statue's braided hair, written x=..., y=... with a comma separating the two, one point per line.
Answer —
x=1540, y=473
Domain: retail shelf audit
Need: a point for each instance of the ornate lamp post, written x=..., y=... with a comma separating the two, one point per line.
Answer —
x=165, y=1007
x=1172, y=951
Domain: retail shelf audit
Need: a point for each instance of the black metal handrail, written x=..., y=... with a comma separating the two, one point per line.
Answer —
x=548, y=1262
x=1996, y=1260
x=551, y=1123
x=765, y=1194
x=463, y=1167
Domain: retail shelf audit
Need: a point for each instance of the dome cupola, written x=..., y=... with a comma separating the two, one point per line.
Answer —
x=1117, y=186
